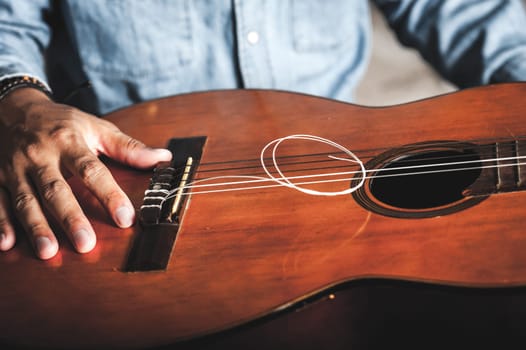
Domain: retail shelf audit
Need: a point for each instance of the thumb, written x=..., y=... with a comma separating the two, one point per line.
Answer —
x=130, y=151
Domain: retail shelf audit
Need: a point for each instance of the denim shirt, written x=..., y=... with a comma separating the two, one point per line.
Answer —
x=131, y=51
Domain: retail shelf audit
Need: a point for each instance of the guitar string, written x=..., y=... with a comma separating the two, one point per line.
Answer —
x=283, y=180
x=400, y=161
x=256, y=179
x=203, y=166
x=292, y=170
x=441, y=145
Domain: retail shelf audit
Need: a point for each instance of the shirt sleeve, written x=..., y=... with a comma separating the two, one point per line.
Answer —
x=24, y=37
x=469, y=42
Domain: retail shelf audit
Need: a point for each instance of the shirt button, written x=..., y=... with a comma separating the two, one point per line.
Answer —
x=253, y=37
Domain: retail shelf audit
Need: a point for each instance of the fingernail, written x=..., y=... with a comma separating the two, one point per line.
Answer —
x=124, y=216
x=44, y=247
x=163, y=153
x=7, y=241
x=3, y=240
x=83, y=241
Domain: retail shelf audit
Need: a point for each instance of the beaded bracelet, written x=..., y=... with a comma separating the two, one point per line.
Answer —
x=10, y=84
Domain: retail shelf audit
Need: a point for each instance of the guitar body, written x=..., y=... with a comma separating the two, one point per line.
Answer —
x=242, y=255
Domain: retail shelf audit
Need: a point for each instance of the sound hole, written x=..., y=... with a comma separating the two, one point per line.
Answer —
x=426, y=180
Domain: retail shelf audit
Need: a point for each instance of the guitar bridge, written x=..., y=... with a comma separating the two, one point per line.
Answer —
x=163, y=206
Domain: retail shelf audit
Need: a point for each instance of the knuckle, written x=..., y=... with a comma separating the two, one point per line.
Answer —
x=37, y=228
x=23, y=201
x=73, y=220
x=132, y=143
x=33, y=151
x=112, y=195
x=62, y=133
x=90, y=169
x=131, y=146
x=55, y=187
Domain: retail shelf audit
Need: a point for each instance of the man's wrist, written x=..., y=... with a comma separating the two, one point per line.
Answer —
x=20, y=101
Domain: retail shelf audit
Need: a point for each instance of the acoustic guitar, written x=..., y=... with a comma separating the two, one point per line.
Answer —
x=274, y=200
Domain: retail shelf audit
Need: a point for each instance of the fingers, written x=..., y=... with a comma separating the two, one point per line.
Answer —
x=49, y=139
x=7, y=232
x=128, y=150
x=33, y=220
x=39, y=140
x=56, y=194
x=109, y=140
x=100, y=182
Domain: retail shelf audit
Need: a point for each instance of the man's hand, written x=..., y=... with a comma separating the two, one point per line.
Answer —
x=42, y=142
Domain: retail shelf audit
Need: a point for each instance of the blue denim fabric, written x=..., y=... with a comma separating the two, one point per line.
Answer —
x=132, y=51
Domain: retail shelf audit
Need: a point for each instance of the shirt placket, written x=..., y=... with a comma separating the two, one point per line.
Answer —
x=252, y=44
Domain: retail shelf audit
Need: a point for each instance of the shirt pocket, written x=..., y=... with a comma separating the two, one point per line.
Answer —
x=319, y=25
x=139, y=39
